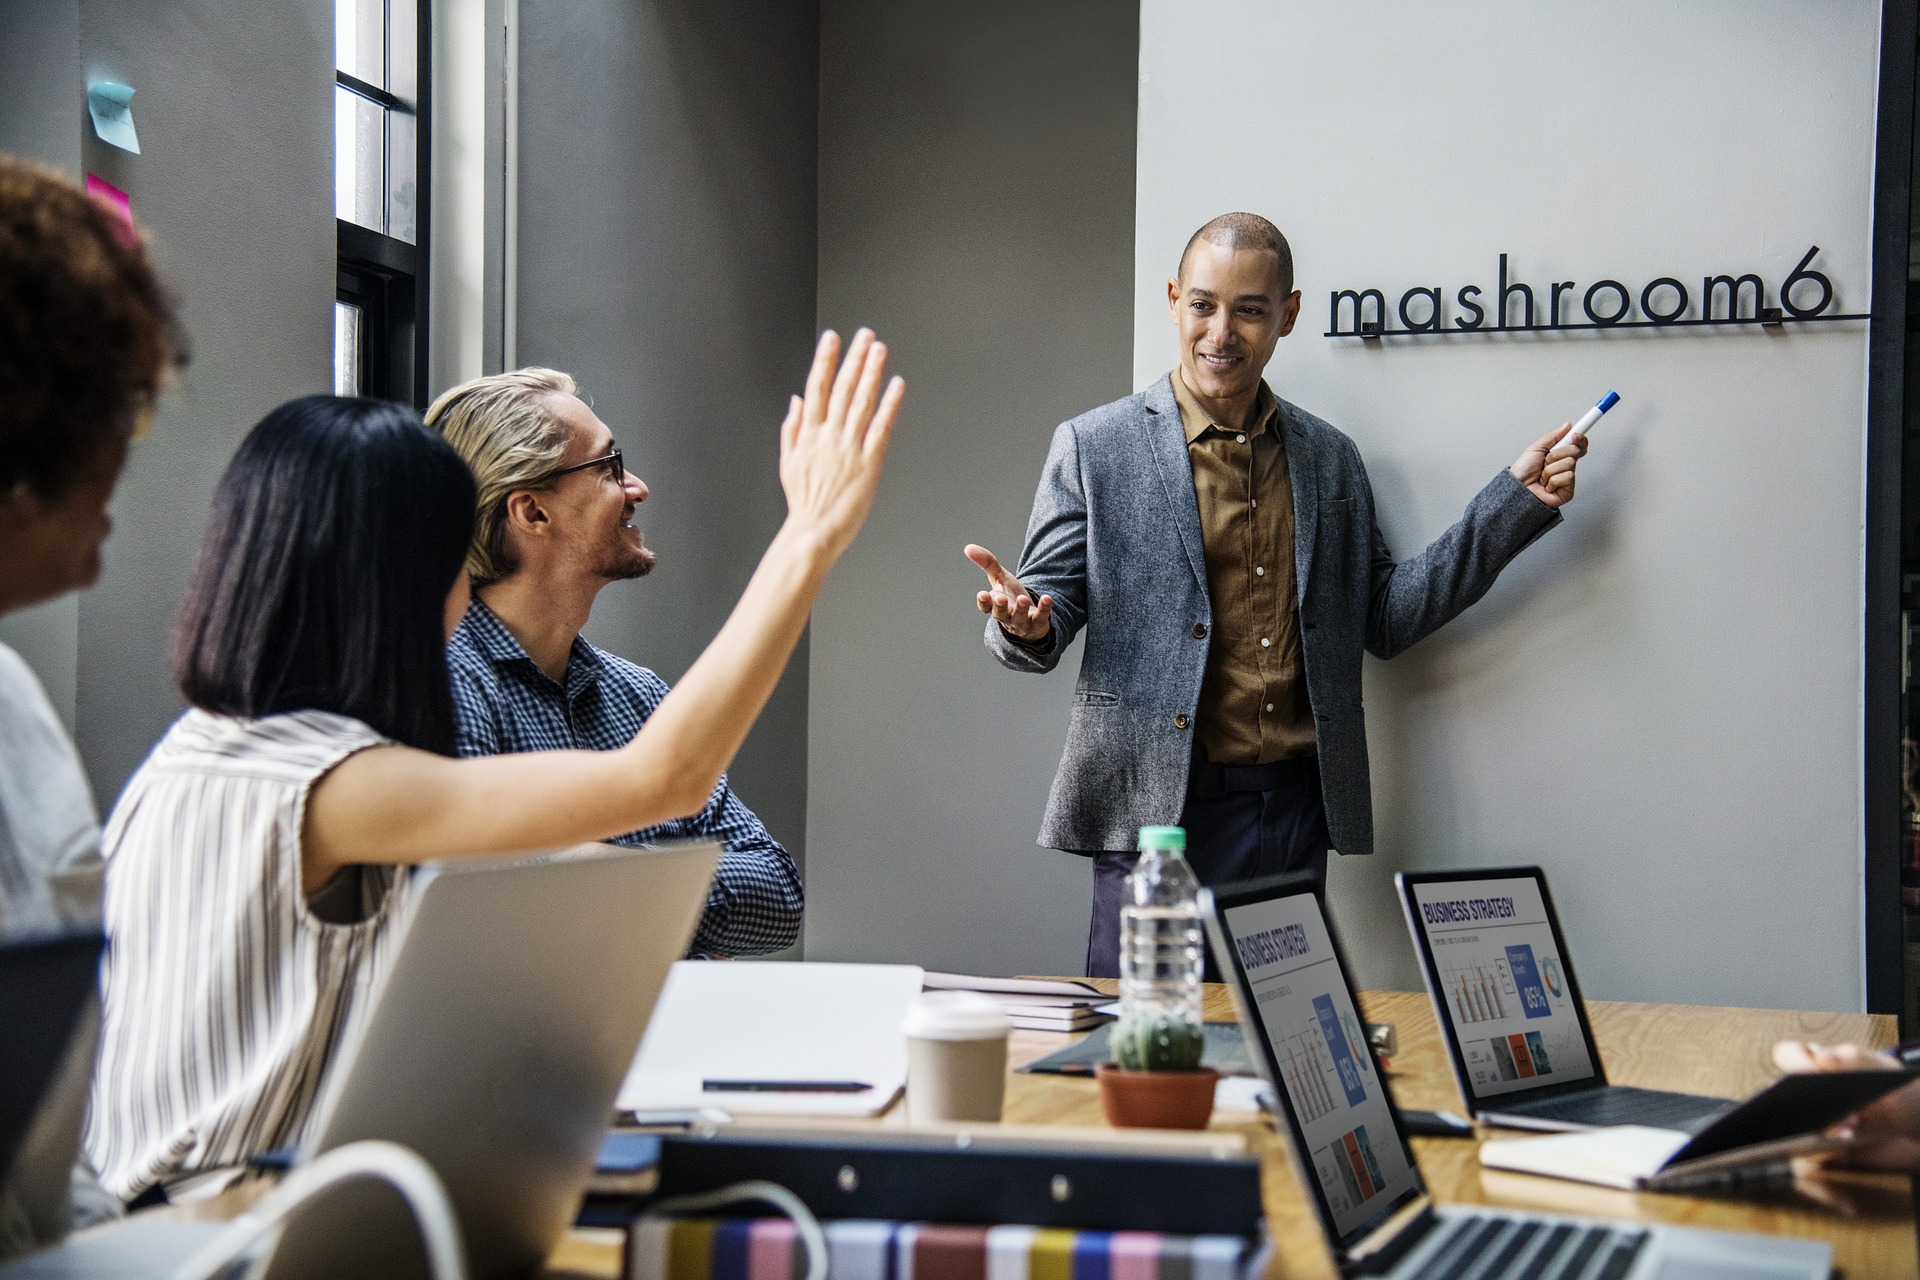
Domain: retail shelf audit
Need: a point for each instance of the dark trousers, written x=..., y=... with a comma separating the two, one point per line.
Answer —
x=1241, y=823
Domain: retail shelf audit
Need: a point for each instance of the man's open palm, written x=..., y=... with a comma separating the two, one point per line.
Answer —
x=1008, y=603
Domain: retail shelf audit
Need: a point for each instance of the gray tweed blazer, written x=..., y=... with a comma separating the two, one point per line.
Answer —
x=1115, y=539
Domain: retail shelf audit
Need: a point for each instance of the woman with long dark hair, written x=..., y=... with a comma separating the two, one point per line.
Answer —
x=254, y=862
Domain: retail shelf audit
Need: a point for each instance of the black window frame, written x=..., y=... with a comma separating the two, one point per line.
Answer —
x=1892, y=982
x=384, y=276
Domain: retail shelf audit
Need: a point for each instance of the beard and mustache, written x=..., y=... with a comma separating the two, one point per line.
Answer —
x=622, y=562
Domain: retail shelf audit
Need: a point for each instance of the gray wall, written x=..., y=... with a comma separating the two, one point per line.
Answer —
x=40, y=119
x=39, y=51
x=976, y=207
x=234, y=184
x=1660, y=700
x=234, y=187
x=667, y=261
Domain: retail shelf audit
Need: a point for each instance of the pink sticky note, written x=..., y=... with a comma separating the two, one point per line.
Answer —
x=115, y=200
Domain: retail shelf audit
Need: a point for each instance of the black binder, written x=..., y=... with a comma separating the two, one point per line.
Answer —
x=971, y=1178
x=45, y=984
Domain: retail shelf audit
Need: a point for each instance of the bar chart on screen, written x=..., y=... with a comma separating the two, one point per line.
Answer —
x=1307, y=1066
x=1479, y=990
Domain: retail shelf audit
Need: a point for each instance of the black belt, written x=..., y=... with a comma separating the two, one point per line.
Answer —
x=1209, y=777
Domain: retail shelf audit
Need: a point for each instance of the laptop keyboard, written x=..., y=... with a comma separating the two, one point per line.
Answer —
x=1487, y=1248
x=1622, y=1104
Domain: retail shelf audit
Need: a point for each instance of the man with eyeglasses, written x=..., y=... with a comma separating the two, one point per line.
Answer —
x=554, y=525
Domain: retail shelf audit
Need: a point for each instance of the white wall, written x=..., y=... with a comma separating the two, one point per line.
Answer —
x=1660, y=700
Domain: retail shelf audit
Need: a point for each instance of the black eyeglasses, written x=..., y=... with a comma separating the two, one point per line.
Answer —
x=615, y=465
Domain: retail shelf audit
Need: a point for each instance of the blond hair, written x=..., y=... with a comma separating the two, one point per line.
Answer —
x=505, y=427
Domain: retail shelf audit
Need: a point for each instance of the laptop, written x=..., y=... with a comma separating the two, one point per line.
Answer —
x=516, y=1001
x=45, y=984
x=1349, y=1143
x=1501, y=979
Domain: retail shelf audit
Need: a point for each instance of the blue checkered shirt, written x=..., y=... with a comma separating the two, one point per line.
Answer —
x=504, y=703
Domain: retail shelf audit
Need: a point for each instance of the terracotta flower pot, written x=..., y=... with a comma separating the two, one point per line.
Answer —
x=1156, y=1099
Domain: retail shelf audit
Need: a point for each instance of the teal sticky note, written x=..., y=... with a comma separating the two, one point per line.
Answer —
x=111, y=106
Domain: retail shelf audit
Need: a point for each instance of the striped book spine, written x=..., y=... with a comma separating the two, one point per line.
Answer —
x=661, y=1248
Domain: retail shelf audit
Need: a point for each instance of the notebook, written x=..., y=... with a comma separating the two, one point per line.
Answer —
x=798, y=1031
x=1033, y=1004
x=1786, y=1119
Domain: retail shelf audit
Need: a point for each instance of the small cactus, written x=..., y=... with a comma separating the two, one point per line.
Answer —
x=1157, y=1042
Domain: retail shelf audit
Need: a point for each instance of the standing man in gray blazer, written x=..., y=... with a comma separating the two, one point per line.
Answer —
x=1218, y=545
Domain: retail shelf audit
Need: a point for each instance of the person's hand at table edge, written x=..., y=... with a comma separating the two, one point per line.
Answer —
x=1894, y=1119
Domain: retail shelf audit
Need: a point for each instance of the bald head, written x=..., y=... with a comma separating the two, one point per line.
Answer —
x=1236, y=231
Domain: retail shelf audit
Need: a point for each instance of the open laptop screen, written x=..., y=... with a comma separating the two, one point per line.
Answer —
x=1292, y=981
x=1495, y=964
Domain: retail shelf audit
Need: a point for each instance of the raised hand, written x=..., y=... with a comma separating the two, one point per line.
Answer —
x=1007, y=602
x=833, y=443
x=397, y=805
x=1546, y=468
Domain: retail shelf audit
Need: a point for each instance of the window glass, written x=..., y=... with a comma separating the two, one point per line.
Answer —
x=359, y=159
x=401, y=168
x=360, y=39
x=379, y=188
x=347, y=340
x=403, y=50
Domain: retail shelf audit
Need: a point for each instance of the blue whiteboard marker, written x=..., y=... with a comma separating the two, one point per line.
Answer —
x=1591, y=416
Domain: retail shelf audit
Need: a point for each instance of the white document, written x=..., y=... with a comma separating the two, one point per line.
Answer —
x=1624, y=1155
x=775, y=1022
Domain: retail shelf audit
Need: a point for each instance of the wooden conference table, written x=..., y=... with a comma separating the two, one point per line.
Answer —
x=1698, y=1049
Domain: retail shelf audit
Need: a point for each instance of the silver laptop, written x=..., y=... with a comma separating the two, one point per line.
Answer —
x=1509, y=1008
x=1273, y=941
x=516, y=1002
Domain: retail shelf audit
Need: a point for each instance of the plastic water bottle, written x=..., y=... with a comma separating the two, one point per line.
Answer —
x=1161, y=961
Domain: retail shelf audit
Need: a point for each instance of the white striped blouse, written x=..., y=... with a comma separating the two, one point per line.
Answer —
x=225, y=994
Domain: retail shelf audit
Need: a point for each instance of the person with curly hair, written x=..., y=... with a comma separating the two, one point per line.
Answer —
x=88, y=337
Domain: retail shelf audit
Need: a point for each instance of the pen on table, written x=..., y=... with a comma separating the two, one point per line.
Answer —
x=785, y=1086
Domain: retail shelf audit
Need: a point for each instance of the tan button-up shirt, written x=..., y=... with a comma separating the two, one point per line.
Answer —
x=1253, y=699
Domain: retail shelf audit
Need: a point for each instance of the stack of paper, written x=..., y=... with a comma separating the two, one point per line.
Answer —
x=1033, y=1004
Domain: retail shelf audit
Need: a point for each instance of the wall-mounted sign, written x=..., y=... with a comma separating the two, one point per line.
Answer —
x=1562, y=305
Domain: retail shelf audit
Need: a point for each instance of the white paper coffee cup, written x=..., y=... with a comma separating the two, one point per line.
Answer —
x=956, y=1057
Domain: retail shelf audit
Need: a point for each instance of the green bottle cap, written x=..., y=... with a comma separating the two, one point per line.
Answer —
x=1163, y=838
